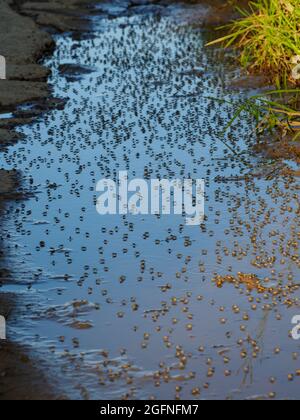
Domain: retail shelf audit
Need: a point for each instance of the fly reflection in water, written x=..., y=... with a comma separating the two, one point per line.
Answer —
x=127, y=307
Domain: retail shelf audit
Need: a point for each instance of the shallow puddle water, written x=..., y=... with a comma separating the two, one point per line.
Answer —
x=140, y=307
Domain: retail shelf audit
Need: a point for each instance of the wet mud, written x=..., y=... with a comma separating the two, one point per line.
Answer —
x=139, y=307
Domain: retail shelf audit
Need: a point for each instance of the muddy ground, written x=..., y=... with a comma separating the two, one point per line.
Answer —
x=23, y=43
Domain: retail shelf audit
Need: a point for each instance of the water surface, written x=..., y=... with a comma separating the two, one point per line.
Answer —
x=126, y=306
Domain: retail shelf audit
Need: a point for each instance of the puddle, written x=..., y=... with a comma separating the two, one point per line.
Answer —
x=127, y=306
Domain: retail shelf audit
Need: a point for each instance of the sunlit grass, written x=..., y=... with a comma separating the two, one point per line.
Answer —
x=268, y=36
x=270, y=114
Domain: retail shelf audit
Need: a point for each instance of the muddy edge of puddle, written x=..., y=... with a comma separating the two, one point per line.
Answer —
x=24, y=44
x=26, y=29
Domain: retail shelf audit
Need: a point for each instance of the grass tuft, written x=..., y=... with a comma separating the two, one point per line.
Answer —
x=268, y=35
x=270, y=115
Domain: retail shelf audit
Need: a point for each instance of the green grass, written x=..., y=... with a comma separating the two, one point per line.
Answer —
x=270, y=115
x=268, y=36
